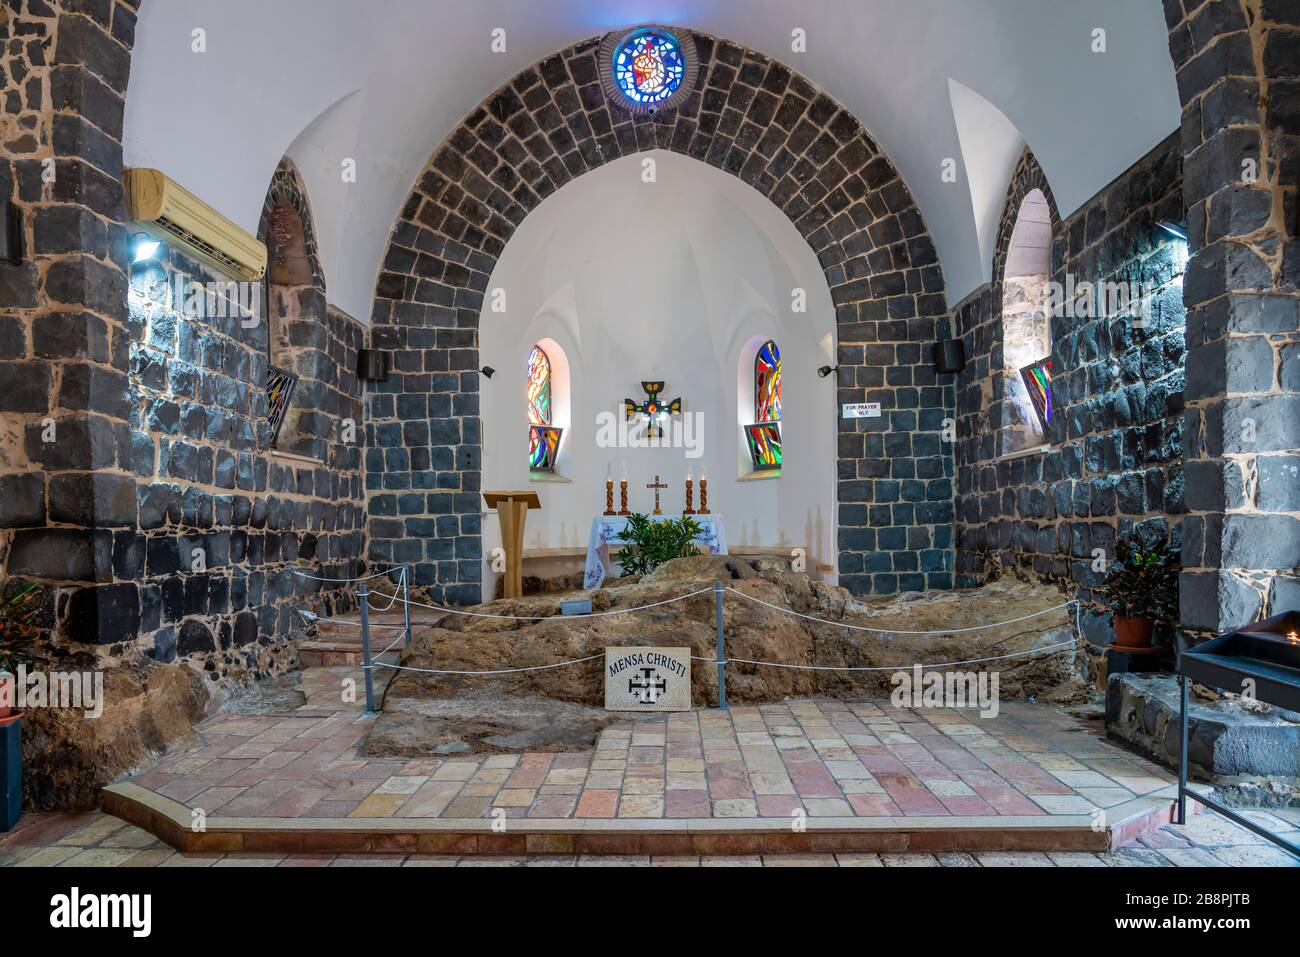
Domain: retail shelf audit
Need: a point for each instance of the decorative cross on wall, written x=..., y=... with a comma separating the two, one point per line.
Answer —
x=653, y=407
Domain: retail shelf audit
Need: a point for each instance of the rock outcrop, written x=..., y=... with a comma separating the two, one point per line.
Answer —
x=149, y=708
x=752, y=631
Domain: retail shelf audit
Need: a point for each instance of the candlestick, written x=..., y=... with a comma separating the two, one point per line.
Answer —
x=609, y=496
x=622, y=497
x=704, y=493
x=690, y=495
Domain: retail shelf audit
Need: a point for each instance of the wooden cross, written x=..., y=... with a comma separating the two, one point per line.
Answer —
x=656, y=485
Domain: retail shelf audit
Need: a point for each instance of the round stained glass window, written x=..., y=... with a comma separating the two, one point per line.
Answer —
x=648, y=69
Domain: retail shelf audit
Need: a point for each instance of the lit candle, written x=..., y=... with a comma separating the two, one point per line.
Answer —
x=609, y=472
x=704, y=474
x=688, y=475
x=624, y=470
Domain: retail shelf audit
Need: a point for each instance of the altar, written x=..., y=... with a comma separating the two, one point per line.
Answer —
x=607, y=529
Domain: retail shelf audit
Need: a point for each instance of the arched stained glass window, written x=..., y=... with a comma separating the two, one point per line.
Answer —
x=763, y=438
x=539, y=387
x=543, y=438
x=767, y=383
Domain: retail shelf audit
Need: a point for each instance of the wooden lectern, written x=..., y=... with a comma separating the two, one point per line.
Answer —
x=512, y=509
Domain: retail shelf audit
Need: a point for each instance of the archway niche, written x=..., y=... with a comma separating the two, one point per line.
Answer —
x=297, y=341
x=751, y=117
x=688, y=300
x=1026, y=323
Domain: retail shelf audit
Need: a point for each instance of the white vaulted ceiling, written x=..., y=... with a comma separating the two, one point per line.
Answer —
x=384, y=81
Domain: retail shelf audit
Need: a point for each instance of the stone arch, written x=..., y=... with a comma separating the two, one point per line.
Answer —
x=295, y=308
x=748, y=115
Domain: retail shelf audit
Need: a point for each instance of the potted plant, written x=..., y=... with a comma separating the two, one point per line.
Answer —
x=16, y=629
x=648, y=544
x=1142, y=588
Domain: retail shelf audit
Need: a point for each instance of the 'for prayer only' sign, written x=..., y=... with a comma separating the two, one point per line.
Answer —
x=647, y=679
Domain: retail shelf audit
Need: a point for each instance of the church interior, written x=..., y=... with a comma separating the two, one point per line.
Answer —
x=740, y=433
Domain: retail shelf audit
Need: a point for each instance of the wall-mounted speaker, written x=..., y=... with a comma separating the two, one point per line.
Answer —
x=11, y=232
x=372, y=365
x=949, y=355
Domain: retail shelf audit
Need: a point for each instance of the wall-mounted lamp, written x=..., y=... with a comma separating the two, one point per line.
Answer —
x=143, y=247
x=824, y=371
x=487, y=372
x=1177, y=230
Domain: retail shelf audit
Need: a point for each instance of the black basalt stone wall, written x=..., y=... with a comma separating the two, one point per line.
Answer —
x=754, y=118
x=136, y=493
x=221, y=518
x=65, y=450
x=1238, y=69
x=1114, y=458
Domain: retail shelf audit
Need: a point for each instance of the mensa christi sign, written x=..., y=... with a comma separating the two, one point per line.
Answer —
x=647, y=679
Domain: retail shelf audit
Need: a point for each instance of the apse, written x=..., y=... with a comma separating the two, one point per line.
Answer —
x=657, y=267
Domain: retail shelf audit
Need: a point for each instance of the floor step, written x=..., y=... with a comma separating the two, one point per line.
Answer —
x=381, y=622
x=338, y=644
x=171, y=821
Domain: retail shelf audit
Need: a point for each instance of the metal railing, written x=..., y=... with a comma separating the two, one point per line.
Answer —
x=370, y=661
x=401, y=593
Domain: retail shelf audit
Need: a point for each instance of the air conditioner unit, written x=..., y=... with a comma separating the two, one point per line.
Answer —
x=168, y=211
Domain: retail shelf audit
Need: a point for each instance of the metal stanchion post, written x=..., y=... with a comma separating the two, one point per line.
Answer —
x=720, y=657
x=406, y=602
x=1184, y=688
x=366, y=667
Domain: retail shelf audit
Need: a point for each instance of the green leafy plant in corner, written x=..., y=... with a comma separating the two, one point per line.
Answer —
x=19, y=612
x=1143, y=581
x=648, y=543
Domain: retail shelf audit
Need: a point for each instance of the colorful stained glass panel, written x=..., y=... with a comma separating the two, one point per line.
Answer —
x=764, y=440
x=649, y=67
x=543, y=447
x=767, y=383
x=1038, y=382
x=280, y=386
x=539, y=387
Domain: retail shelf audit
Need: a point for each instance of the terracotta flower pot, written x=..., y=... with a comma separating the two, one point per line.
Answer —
x=1133, y=633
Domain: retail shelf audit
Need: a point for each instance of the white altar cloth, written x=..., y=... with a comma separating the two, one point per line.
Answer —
x=610, y=528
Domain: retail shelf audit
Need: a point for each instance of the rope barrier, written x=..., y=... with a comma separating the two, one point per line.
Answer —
x=898, y=631
x=940, y=664
x=344, y=621
x=402, y=594
x=401, y=582
x=500, y=671
x=343, y=581
x=593, y=614
x=399, y=638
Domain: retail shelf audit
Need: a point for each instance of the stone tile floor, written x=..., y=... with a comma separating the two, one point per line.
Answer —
x=829, y=758
x=95, y=839
x=822, y=758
